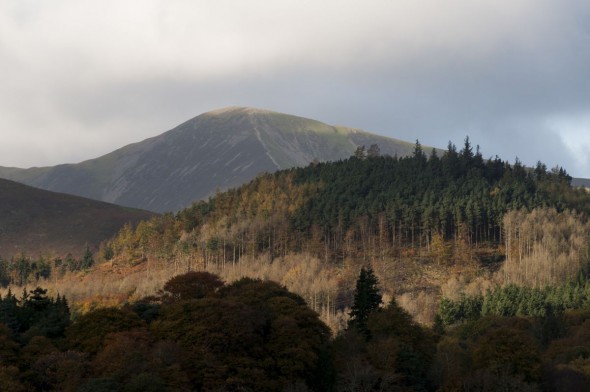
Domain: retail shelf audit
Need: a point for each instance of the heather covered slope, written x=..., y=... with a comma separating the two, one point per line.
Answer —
x=34, y=221
x=214, y=151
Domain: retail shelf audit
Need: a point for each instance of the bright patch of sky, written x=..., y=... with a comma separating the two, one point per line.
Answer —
x=575, y=134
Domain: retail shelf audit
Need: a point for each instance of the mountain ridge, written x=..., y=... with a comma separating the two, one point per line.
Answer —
x=214, y=151
x=34, y=221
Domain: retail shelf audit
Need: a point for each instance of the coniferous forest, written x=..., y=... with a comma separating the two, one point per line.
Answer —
x=445, y=271
x=365, y=207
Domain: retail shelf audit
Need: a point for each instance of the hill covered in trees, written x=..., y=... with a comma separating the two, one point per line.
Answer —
x=428, y=224
x=375, y=204
x=431, y=227
x=473, y=276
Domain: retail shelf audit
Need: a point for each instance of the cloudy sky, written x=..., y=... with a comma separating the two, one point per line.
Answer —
x=81, y=78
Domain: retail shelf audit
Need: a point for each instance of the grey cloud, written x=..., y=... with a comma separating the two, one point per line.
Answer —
x=498, y=71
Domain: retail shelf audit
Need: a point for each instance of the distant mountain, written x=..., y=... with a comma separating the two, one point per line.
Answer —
x=34, y=221
x=583, y=182
x=214, y=151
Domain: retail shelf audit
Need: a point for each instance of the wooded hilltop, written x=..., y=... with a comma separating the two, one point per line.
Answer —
x=428, y=225
x=471, y=257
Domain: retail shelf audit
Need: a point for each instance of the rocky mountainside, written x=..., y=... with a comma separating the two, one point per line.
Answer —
x=34, y=221
x=214, y=151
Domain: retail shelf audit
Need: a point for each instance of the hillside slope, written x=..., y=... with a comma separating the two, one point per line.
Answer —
x=428, y=226
x=214, y=151
x=34, y=221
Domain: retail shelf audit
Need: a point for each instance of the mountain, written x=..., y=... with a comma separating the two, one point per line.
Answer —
x=34, y=221
x=581, y=182
x=214, y=151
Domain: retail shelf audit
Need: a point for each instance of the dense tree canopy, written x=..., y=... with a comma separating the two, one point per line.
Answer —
x=256, y=335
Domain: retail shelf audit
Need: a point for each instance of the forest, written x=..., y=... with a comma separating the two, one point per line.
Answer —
x=198, y=333
x=427, y=224
x=420, y=221
x=368, y=207
x=392, y=273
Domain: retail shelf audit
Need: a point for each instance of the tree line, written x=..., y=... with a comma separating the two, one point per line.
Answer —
x=22, y=270
x=513, y=300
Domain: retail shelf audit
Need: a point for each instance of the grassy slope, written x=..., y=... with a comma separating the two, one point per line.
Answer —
x=295, y=141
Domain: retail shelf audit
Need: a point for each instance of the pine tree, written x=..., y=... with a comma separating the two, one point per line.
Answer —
x=374, y=151
x=367, y=299
x=87, y=260
x=8, y=311
x=38, y=299
x=360, y=152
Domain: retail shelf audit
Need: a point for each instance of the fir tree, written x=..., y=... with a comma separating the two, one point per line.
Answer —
x=360, y=152
x=367, y=299
x=87, y=260
x=8, y=311
x=374, y=151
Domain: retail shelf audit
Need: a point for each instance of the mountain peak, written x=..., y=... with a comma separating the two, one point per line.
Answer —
x=216, y=150
x=236, y=110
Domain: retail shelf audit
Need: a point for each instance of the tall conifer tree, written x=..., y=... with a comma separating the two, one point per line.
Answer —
x=367, y=299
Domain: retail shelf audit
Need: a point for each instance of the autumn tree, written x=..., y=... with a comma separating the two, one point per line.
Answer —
x=61, y=370
x=253, y=335
x=135, y=361
x=90, y=329
x=9, y=379
x=490, y=353
x=191, y=285
x=441, y=250
x=508, y=352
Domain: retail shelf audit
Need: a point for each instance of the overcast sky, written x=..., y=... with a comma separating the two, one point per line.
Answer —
x=81, y=78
